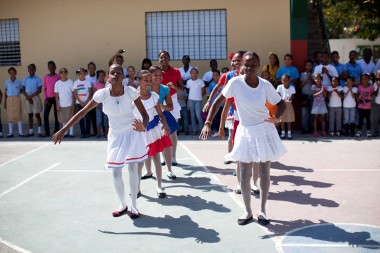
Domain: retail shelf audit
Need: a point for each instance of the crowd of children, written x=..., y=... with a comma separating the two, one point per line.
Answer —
x=336, y=99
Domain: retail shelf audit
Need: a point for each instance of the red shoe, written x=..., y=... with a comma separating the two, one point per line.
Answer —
x=119, y=213
x=134, y=215
x=324, y=134
x=316, y=134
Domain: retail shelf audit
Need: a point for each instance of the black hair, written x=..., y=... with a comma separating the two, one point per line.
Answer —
x=252, y=54
x=225, y=68
x=352, y=51
x=216, y=71
x=289, y=55
x=316, y=53
x=98, y=72
x=142, y=73
x=186, y=56
x=277, y=63
x=12, y=68
x=309, y=61
x=146, y=60
x=350, y=77
x=51, y=63
x=32, y=65
x=241, y=52
x=79, y=70
x=318, y=74
x=285, y=75
x=325, y=53
x=119, y=56
x=91, y=63
x=213, y=60
x=334, y=52
x=163, y=52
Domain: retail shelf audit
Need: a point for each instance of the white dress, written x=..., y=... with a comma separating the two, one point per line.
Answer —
x=125, y=145
x=255, y=139
x=155, y=135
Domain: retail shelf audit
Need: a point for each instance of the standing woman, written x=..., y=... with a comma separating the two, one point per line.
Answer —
x=256, y=139
x=171, y=77
x=126, y=137
x=272, y=67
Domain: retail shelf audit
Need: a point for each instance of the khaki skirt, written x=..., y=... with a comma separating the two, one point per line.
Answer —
x=65, y=114
x=288, y=115
x=36, y=107
x=14, y=110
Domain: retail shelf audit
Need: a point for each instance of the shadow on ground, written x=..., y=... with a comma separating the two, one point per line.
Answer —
x=179, y=228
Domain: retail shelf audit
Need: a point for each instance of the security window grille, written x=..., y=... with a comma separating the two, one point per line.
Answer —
x=9, y=43
x=200, y=34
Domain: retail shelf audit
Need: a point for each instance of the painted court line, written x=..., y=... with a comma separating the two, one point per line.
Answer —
x=27, y=180
x=81, y=171
x=21, y=156
x=325, y=245
x=14, y=246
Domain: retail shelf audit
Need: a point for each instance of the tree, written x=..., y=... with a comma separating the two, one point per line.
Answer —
x=352, y=18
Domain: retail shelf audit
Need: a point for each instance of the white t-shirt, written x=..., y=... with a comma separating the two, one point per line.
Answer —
x=367, y=68
x=286, y=93
x=91, y=79
x=185, y=75
x=377, y=67
x=375, y=87
x=325, y=79
x=335, y=100
x=349, y=101
x=65, y=92
x=82, y=88
x=195, y=89
x=250, y=102
x=207, y=77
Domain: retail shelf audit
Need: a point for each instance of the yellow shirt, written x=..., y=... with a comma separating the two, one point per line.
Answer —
x=272, y=71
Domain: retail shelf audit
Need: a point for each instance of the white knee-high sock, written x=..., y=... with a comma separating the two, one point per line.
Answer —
x=133, y=184
x=72, y=130
x=119, y=187
x=264, y=184
x=245, y=184
x=10, y=127
x=20, y=127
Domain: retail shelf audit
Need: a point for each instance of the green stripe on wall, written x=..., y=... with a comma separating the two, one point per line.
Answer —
x=298, y=19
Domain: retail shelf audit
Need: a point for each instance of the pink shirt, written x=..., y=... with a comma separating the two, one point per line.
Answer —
x=99, y=86
x=364, y=99
x=49, y=83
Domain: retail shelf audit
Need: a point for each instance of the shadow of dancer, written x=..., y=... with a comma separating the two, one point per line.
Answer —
x=302, y=198
x=181, y=228
x=194, y=203
x=298, y=181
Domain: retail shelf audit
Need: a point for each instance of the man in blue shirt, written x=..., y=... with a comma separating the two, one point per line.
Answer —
x=31, y=88
x=288, y=69
x=340, y=68
x=353, y=68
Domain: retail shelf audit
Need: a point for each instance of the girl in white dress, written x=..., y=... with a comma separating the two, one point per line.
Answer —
x=157, y=133
x=256, y=139
x=126, y=138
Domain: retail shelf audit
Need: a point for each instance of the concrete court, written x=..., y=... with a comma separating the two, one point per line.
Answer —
x=58, y=199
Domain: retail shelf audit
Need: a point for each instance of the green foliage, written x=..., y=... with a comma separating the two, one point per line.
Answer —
x=352, y=18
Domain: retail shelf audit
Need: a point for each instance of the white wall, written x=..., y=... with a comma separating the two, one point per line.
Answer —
x=344, y=46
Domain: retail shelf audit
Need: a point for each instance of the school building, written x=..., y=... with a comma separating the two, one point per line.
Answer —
x=73, y=33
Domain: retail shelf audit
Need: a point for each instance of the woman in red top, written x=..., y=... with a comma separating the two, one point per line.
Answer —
x=172, y=78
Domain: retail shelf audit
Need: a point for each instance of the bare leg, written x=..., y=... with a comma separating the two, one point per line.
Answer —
x=39, y=122
x=245, y=177
x=323, y=122
x=230, y=145
x=119, y=187
x=30, y=121
x=264, y=184
x=168, y=158
x=133, y=184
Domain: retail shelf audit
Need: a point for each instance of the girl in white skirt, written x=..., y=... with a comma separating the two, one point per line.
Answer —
x=157, y=133
x=126, y=138
x=256, y=139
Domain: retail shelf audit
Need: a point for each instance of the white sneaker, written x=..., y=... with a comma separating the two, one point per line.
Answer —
x=332, y=134
x=369, y=134
x=358, y=134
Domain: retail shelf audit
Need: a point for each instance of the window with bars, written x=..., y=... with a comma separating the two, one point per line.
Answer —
x=200, y=34
x=9, y=43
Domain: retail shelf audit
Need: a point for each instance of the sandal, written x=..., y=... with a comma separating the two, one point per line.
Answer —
x=147, y=176
x=161, y=194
